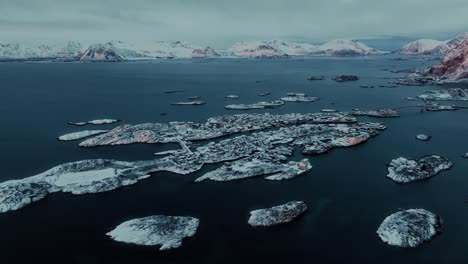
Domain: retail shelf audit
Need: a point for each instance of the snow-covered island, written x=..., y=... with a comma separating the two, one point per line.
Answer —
x=190, y=103
x=409, y=228
x=80, y=177
x=423, y=137
x=259, y=105
x=158, y=230
x=301, y=98
x=403, y=170
x=383, y=113
x=104, y=121
x=276, y=215
x=261, y=152
x=81, y=135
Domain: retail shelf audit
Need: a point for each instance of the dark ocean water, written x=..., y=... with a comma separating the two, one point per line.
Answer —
x=347, y=192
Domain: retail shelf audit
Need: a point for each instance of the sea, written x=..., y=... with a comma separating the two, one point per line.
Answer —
x=347, y=192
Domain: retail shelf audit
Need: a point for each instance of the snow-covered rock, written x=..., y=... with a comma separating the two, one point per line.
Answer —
x=345, y=47
x=423, y=137
x=454, y=66
x=128, y=134
x=278, y=214
x=81, y=134
x=207, y=52
x=409, y=228
x=403, y=170
x=425, y=46
x=166, y=231
x=16, y=194
x=254, y=49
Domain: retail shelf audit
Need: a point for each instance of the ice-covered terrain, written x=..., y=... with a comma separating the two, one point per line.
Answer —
x=276, y=215
x=409, y=228
x=425, y=46
x=403, y=170
x=80, y=134
x=158, y=230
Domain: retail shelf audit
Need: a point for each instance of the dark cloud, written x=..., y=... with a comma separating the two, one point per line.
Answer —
x=223, y=21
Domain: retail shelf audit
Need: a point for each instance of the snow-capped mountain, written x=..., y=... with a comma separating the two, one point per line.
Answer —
x=42, y=51
x=169, y=49
x=454, y=66
x=425, y=46
x=345, y=47
x=102, y=52
x=293, y=48
x=254, y=49
x=207, y=52
x=432, y=47
x=457, y=40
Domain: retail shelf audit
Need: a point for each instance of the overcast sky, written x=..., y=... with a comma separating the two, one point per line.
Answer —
x=222, y=22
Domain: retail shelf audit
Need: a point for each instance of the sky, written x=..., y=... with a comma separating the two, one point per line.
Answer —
x=221, y=23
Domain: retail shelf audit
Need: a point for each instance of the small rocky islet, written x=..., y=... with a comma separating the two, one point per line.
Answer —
x=404, y=170
x=277, y=215
x=157, y=230
x=409, y=228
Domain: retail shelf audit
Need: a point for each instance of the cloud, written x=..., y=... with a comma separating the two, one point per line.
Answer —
x=222, y=22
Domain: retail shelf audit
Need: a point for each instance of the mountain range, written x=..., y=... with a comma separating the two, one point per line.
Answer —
x=115, y=51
